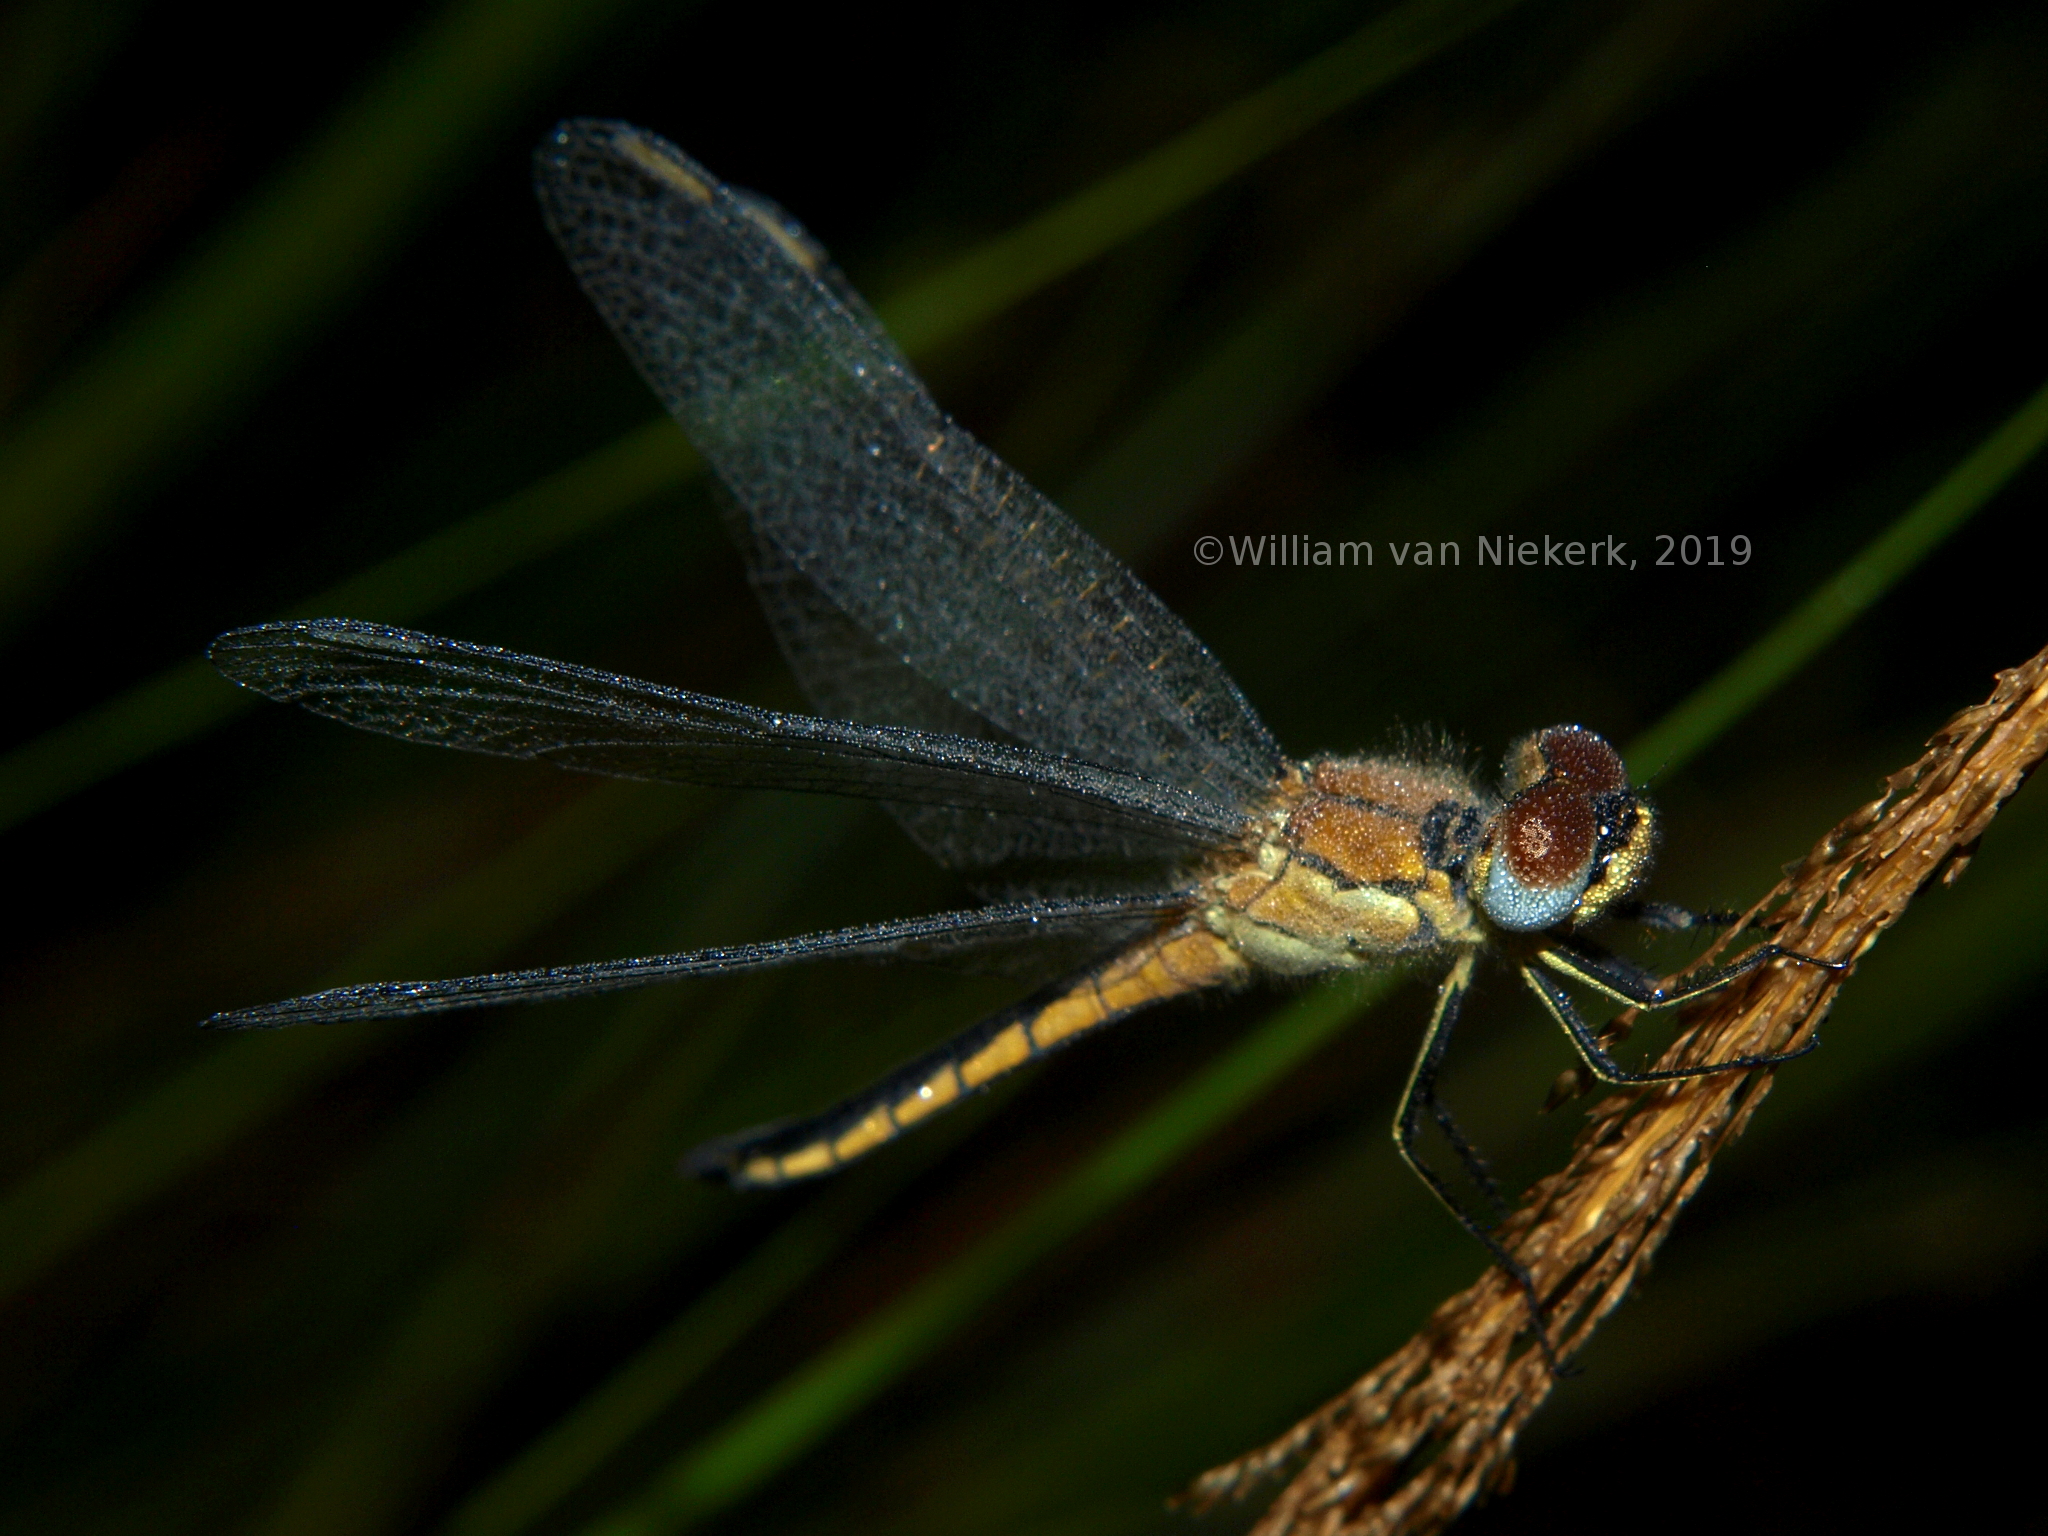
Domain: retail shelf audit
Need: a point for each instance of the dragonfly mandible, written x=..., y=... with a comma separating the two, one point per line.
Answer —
x=1024, y=706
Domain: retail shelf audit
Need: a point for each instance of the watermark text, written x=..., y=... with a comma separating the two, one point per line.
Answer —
x=1609, y=553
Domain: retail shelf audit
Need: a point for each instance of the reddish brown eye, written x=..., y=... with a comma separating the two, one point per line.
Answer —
x=1548, y=835
x=1575, y=753
x=1543, y=842
x=1546, y=838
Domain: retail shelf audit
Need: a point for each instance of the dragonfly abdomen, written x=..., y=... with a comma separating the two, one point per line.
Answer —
x=1186, y=958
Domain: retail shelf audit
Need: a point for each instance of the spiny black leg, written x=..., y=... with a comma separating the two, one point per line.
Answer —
x=1418, y=1098
x=1631, y=984
x=1405, y=1130
x=1469, y=1156
x=1605, y=971
x=1605, y=1067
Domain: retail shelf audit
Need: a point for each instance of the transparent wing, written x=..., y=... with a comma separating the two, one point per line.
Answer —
x=931, y=547
x=848, y=675
x=938, y=936
x=483, y=699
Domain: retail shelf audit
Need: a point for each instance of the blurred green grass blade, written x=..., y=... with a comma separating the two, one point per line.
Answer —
x=172, y=708
x=241, y=1079
x=603, y=1132
x=1074, y=232
x=1875, y=570
x=627, y=472
x=146, y=1147
x=1362, y=277
x=49, y=49
x=517, y=1497
x=1801, y=290
x=766, y=1437
x=189, y=699
x=171, y=370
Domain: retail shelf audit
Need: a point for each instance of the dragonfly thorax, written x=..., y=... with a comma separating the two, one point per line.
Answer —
x=1362, y=860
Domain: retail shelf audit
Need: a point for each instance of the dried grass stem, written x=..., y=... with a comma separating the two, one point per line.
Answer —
x=1414, y=1442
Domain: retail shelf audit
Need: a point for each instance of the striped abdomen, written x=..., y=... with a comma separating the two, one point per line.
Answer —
x=1184, y=959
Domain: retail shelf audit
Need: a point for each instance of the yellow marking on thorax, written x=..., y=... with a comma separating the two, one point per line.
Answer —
x=1299, y=922
x=1447, y=909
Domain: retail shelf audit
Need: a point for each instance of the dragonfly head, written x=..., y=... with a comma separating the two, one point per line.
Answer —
x=1572, y=839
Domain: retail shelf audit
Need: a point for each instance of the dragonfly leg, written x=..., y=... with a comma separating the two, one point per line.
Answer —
x=1625, y=983
x=1469, y=1157
x=1419, y=1101
x=1631, y=984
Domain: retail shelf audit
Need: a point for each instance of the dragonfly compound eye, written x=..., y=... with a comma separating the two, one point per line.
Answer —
x=1543, y=846
x=1578, y=756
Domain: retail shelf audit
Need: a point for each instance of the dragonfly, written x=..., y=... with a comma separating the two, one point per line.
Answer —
x=1028, y=710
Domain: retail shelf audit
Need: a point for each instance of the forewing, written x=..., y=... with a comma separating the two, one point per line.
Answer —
x=848, y=674
x=483, y=699
x=923, y=539
x=1104, y=923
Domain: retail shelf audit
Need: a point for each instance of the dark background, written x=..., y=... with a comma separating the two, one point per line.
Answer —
x=1685, y=266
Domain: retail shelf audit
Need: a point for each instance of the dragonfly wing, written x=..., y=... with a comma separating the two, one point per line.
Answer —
x=483, y=699
x=939, y=936
x=848, y=674
x=924, y=540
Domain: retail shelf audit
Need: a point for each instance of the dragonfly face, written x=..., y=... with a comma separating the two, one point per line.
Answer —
x=1023, y=705
x=1573, y=840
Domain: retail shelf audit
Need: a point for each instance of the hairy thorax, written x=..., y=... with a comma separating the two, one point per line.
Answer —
x=1360, y=860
